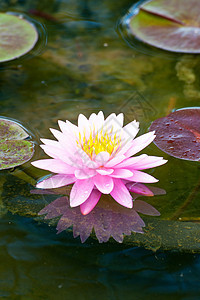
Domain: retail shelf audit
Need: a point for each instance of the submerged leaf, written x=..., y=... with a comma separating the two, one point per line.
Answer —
x=172, y=25
x=17, y=36
x=14, y=150
x=178, y=134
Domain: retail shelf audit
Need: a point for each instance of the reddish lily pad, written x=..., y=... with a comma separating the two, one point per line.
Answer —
x=17, y=36
x=172, y=25
x=14, y=150
x=178, y=134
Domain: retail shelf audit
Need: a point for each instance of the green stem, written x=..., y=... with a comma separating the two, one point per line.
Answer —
x=24, y=174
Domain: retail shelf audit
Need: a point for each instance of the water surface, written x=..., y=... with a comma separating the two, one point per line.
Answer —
x=87, y=65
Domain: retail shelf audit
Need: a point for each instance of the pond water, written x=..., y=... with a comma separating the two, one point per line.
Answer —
x=84, y=63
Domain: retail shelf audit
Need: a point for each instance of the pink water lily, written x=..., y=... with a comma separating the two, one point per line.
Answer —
x=97, y=157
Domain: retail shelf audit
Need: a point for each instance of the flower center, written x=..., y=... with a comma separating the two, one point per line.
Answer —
x=104, y=140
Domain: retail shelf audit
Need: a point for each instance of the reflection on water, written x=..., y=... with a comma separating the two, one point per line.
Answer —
x=85, y=67
x=38, y=264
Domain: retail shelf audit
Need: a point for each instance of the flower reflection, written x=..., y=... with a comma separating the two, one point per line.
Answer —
x=108, y=218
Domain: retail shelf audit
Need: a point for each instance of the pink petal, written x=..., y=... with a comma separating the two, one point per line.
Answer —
x=113, y=123
x=105, y=171
x=139, y=176
x=56, y=181
x=53, y=165
x=129, y=162
x=139, y=188
x=140, y=143
x=121, y=194
x=71, y=126
x=130, y=131
x=100, y=115
x=91, y=202
x=96, y=121
x=84, y=126
x=58, y=134
x=67, y=127
x=124, y=147
x=86, y=161
x=145, y=208
x=63, y=126
x=69, y=148
x=51, y=143
x=120, y=119
x=102, y=158
x=111, y=116
x=92, y=119
x=53, y=151
x=103, y=183
x=83, y=121
x=85, y=173
x=122, y=173
x=80, y=191
x=69, y=143
x=66, y=140
x=99, y=121
x=114, y=161
x=61, y=154
x=149, y=162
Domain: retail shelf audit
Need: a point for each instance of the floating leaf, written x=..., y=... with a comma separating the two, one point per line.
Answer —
x=17, y=36
x=178, y=134
x=14, y=150
x=107, y=219
x=172, y=25
x=10, y=130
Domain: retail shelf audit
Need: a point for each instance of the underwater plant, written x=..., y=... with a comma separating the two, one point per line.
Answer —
x=96, y=156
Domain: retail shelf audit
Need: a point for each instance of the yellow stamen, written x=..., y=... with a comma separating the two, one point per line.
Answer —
x=104, y=140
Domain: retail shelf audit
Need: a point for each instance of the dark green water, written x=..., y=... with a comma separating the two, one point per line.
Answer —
x=37, y=264
x=88, y=65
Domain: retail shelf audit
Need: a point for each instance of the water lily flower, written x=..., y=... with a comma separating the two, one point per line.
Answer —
x=96, y=156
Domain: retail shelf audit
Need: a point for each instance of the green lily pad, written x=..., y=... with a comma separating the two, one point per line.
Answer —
x=172, y=25
x=14, y=150
x=10, y=130
x=17, y=36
